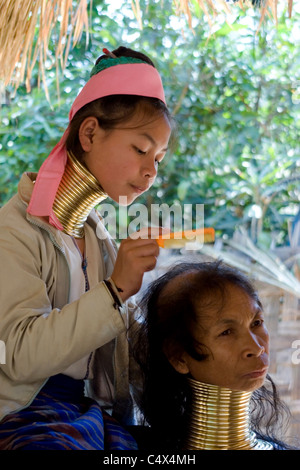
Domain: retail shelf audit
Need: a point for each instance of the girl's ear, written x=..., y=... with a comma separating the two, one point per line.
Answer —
x=86, y=132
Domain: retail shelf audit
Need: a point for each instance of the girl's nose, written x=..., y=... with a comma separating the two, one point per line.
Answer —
x=150, y=169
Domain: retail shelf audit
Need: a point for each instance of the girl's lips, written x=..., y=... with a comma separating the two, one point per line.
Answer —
x=139, y=189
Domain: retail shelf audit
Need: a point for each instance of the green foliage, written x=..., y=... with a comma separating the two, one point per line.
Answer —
x=232, y=95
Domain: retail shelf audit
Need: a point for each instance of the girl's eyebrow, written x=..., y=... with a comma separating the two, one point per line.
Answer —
x=153, y=141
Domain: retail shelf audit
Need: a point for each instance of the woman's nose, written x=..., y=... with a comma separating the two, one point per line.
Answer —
x=255, y=347
x=256, y=353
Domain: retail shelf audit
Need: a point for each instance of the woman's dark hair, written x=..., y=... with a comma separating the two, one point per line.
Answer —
x=168, y=322
x=114, y=110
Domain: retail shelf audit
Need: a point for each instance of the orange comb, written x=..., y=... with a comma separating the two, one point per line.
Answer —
x=180, y=239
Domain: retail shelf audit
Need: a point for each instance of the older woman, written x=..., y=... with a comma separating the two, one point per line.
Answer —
x=204, y=353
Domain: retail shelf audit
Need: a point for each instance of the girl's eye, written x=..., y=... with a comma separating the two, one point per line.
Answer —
x=139, y=151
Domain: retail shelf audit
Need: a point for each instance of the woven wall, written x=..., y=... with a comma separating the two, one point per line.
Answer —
x=282, y=312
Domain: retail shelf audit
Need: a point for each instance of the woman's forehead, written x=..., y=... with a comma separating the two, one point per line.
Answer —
x=234, y=304
x=182, y=280
x=213, y=299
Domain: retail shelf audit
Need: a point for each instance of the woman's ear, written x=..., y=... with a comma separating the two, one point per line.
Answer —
x=179, y=363
x=86, y=132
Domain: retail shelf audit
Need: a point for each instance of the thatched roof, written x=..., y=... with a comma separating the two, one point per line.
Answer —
x=26, y=27
x=25, y=31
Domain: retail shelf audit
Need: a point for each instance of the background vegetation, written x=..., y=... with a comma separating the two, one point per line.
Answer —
x=234, y=95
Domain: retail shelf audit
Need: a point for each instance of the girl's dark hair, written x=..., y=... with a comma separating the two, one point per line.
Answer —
x=111, y=111
x=168, y=320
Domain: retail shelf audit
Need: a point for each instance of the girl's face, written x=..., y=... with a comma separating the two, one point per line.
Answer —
x=239, y=344
x=125, y=159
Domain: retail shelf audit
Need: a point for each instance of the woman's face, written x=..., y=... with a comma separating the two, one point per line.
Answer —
x=239, y=344
x=125, y=159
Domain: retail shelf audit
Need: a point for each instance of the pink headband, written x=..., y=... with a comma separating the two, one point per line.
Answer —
x=123, y=79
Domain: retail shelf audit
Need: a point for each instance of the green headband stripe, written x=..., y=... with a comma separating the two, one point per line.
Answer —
x=110, y=62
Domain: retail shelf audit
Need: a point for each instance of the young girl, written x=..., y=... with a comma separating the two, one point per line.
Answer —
x=63, y=286
x=204, y=353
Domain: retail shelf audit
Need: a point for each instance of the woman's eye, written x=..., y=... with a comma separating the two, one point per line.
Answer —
x=226, y=332
x=258, y=322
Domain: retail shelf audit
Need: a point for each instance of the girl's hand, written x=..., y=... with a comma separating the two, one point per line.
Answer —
x=136, y=256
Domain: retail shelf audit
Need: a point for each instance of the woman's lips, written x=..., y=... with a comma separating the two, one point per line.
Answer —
x=257, y=373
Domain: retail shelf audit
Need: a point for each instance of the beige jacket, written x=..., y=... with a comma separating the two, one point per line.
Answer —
x=42, y=332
